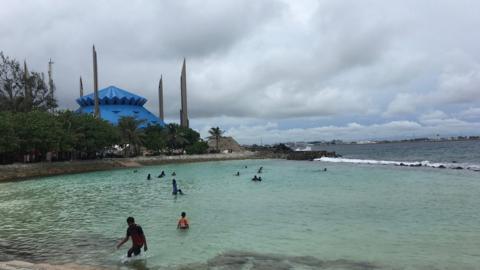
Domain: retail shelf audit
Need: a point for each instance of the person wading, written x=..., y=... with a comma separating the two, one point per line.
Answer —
x=135, y=232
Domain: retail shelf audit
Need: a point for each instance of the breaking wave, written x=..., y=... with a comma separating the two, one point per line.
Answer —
x=426, y=163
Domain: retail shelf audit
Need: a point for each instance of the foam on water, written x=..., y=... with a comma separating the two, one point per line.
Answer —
x=426, y=163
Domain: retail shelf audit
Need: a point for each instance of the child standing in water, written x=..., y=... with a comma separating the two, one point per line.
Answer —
x=183, y=222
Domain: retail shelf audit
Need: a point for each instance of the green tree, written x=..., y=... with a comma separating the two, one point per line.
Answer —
x=14, y=83
x=155, y=138
x=8, y=138
x=38, y=133
x=199, y=147
x=215, y=133
x=131, y=133
x=190, y=135
x=91, y=135
x=174, y=137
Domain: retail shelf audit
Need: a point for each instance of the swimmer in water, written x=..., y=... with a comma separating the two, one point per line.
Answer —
x=173, y=174
x=149, y=177
x=162, y=174
x=176, y=190
x=183, y=222
x=237, y=174
x=255, y=178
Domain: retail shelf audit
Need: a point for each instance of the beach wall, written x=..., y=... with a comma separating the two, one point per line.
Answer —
x=20, y=171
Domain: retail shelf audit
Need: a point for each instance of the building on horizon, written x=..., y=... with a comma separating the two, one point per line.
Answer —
x=115, y=103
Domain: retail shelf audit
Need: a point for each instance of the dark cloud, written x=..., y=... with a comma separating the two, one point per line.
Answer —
x=272, y=60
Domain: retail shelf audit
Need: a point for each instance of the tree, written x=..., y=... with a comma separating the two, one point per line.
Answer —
x=21, y=90
x=90, y=135
x=8, y=138
x=38, y=133
x=174, y=137
x=215, y=133
x=155, y=138
x=131, y=133
x=199, y=147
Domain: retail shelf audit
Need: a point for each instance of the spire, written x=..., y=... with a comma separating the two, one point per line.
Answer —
x=51, y=86
x=81, y=87
x=160, y=98
x=50, y=79
x=183, y=93
x=95, y=83
x=28, y=93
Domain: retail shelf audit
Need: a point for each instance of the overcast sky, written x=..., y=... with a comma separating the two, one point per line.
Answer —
x=267, y=70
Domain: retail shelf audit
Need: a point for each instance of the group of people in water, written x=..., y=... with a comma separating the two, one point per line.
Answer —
x=255, y=177
x=175, y=189
x=135, y=231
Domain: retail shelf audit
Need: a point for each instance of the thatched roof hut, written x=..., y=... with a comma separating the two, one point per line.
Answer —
x=225, y=144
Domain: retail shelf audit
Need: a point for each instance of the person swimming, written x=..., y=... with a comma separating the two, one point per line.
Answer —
x=175, y=189
x=255, y=178
x=149, y=177
x=260, y=170
x=173, y=174
x=183, y=222
x=162, y=174
x=237, y=174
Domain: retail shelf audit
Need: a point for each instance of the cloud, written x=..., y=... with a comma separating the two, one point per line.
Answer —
x=319, y=64
x=452, y=88
x=270, y=133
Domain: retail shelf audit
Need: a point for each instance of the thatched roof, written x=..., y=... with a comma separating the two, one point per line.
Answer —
x=225, y=143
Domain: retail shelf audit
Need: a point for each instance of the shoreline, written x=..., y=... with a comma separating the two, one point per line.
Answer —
x=23, y=265
x=26, y=171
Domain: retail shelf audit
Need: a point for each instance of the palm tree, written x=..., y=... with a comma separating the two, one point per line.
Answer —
x=215, y=133
x=130, y=132
x=175, y=138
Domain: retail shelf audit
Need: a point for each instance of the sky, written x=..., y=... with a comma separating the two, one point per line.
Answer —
x=268, y=71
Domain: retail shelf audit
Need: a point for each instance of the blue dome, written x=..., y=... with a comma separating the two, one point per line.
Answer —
x=112, y=95
x=116, y=103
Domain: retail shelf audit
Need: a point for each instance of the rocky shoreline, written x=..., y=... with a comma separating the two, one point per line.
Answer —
x=21, y=265
x=23, y=171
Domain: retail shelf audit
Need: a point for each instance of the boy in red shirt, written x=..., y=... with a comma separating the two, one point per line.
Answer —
x=138, y=238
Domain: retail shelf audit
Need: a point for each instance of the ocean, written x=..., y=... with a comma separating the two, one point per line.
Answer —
x=354, y=215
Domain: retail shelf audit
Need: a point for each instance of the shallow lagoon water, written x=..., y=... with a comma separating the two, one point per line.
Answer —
x=349, y=217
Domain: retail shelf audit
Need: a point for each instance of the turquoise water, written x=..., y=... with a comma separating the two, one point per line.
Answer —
x=352, y=216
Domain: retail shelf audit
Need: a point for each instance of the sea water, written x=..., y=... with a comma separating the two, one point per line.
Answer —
x=352, y=216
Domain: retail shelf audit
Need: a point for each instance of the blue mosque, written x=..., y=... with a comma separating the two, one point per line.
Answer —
x=113, y=103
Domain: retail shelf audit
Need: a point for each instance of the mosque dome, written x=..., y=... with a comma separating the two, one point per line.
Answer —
x=115, y=103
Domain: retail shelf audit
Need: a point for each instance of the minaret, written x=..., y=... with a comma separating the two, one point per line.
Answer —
x=51, y=86
x=95, y=83
x=81, y=87
x=183, y=92
x=160, y=98
x=28, y=93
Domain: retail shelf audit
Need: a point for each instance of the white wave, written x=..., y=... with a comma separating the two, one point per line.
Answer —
x=307, y=148
x=426, y=163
